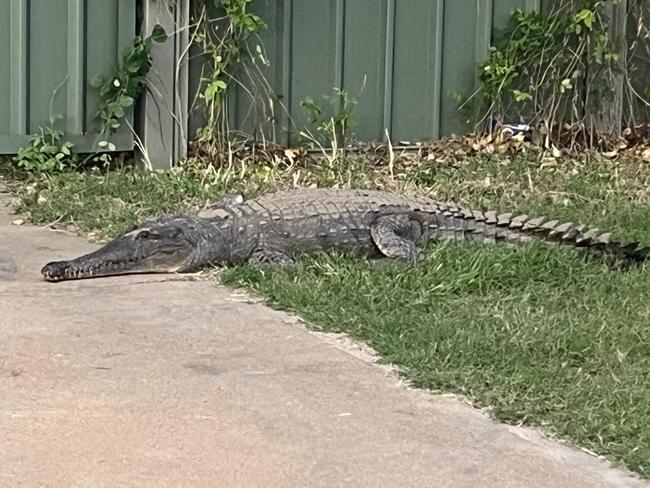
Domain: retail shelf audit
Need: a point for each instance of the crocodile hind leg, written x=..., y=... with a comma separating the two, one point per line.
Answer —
x=396, y=237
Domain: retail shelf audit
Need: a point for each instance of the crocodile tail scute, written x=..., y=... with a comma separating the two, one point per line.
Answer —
x=512, y=227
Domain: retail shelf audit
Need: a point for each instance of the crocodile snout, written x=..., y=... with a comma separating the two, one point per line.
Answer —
x=54, y=271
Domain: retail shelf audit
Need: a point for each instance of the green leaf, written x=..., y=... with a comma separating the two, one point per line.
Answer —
x=210, y=93
x=132, y=66
x=117, y=110
x=158, y=34
x=126, y=101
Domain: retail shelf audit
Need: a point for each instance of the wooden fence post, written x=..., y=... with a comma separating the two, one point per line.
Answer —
x=163, y=112
x=610, y=119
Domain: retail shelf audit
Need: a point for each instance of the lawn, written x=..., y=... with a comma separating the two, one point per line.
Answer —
x=535, y=334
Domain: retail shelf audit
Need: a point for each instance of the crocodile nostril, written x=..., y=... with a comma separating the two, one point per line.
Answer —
x=55, y=270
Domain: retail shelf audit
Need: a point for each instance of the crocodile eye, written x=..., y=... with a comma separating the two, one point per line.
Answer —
x=145, y=234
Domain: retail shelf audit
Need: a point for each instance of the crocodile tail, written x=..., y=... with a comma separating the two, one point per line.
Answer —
x=513, y=228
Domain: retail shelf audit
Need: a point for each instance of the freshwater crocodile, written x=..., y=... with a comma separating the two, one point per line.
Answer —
x=277, y=227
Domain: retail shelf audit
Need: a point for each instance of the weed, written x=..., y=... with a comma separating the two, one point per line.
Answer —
x=561, y=72
x=119, y=91
x=331, y=122
x=47, y=151
x=225, y=50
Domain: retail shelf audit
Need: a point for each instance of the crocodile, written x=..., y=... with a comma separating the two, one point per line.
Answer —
x=276, y=228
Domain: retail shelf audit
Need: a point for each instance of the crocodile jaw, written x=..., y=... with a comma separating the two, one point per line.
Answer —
x=82, y=267
x=144, y=250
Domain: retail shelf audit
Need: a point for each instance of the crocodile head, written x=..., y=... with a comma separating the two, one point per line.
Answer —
x=162, y=246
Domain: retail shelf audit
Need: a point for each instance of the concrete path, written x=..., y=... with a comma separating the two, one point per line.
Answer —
x=153, y=381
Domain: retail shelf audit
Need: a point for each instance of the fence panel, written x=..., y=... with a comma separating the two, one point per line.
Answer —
x=45, y=44
x=407, y=61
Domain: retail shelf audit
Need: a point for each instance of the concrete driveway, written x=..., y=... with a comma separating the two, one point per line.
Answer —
x=155, y=381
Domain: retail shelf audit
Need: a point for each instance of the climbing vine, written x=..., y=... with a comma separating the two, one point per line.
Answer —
x=118, y=92
x=223, y=41
x=555, y=70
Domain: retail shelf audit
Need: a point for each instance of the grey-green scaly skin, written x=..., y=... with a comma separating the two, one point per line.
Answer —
x=278, y=227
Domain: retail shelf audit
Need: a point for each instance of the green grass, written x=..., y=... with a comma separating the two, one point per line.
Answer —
x=106, y=203
x=535, y=334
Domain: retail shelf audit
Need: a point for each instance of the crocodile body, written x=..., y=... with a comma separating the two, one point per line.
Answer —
x=277, y=227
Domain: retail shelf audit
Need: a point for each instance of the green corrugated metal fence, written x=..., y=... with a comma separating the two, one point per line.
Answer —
x=47, y=43
x=416, y=57
x=413, y=59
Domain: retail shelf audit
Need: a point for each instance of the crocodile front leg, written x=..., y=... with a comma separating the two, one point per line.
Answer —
x=396, y=237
